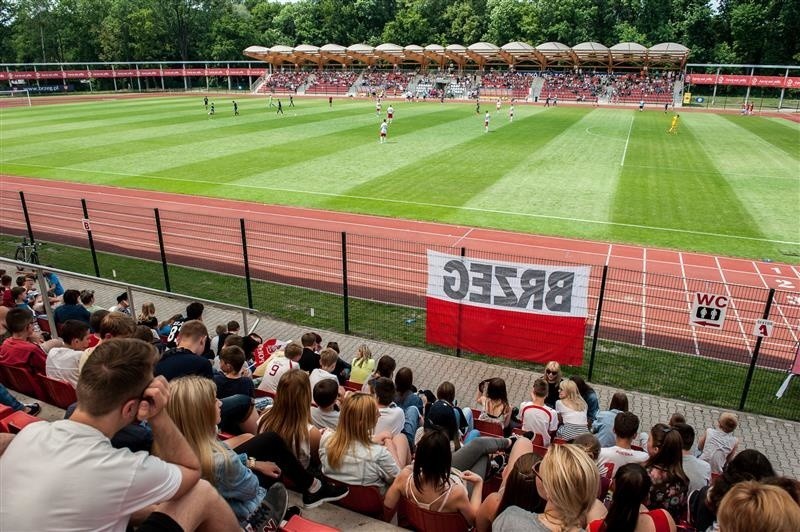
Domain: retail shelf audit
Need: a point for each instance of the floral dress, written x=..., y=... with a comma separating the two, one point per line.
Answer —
x=668, y=492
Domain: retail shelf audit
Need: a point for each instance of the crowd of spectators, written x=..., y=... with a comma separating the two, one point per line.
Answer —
x=622, y=88
x=174, y=429
x=285, y=81
x=331, y=81
x=393, y=83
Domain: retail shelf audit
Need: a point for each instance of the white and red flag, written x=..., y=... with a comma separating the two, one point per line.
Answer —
x=520, y=311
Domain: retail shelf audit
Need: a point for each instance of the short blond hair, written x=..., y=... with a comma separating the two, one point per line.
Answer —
x=328, y=357
x=754, y=507
x=728, y=421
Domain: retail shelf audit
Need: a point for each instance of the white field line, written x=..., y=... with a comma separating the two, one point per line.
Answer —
x=627, y=140
x=778, y=305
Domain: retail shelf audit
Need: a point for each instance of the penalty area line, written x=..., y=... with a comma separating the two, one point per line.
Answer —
x=627, y=140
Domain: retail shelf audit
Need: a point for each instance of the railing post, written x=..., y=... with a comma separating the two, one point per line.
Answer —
x=48, y=310
x=597, y=315
x=246, y=265
x=756, y=349
x=88, y=228
x=458, y=325
x=25, y=214
x=163, y=253
x=345, y=297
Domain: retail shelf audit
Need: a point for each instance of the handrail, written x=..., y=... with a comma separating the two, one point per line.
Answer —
x=128, y=287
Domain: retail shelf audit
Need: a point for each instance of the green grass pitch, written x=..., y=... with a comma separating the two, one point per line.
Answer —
x=725, y=184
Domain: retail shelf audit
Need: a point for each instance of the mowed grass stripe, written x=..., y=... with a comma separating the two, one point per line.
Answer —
x=779, y=134
x=702, y=202
x=572, y=175
x=768, y=185
x=457, y=174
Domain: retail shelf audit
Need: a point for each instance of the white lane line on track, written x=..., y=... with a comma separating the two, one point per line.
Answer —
x=427, y=204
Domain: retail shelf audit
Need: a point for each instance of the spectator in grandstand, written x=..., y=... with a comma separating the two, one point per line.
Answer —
x=353, y=455
x=194, y=311
x=87, y=300
x=718, y=445
x=517, y=489
x=363, y=365
x=18, y=350
x=324, y=414
x=230, y=380
x=19, y=296
x=112, y=325
x=433, y=485
x=186, y=357
x=290, y=416
x=391, y=418
x=342, y=369
x=536, y=417
x=122, y=305
x=195, y=410
x=309, y=361
x=277, y=366
x=5, y=290
x=406, y=393
x=589, y=396
x=232, y=327
x=670, y=487
x=492, y=401
x=62, y=362
x=789, y=485
x=568, y=480
x=626, y=427
x=754, y=507
x=165, y=326
x=603, y=426
x=385, y=368
x=9, y=400
x=697, y=471
x=571, y=410
x=71, y=309
x=628, y=511
x=109, y=487
x=552, y=375
x=148, y=316
x=747, y=465
x=54, y=289
x=327, y=364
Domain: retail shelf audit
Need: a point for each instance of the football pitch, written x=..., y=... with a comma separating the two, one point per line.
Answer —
x=725, y=184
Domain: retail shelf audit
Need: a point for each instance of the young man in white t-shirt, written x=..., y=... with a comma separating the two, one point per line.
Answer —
x=323, y=413
x=62, y=362
x=66, y=475
x=277, y=366
x=626, y=427
x=327, y=363
x=536, y=416
x=391, y=418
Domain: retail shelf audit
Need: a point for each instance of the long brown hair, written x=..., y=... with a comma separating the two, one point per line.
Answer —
x=669, y=453
x=356, y=422
x=290, y=414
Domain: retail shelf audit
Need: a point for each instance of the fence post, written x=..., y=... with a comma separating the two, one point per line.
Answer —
x=163, y=253
x=756, y=349
x=25, y=214
x=91, y=239
x=246, y=265
x=599, y=312
x=458, y=325
x=345, y=297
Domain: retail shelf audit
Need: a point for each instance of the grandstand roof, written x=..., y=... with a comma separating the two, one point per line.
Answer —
x=549, y=54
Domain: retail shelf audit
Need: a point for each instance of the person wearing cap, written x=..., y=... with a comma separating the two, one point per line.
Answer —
x=122, y=305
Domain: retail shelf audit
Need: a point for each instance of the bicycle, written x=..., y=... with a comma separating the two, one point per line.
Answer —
x=27, y=251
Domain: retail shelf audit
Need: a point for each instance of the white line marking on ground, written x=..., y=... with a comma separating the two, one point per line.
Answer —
x=733, y=307
x=465, y=235
x=776, y=304
x=689, y=304
x=625, y=151
x=420, y=204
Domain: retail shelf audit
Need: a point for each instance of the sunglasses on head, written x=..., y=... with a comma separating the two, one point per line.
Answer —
x=535, y=469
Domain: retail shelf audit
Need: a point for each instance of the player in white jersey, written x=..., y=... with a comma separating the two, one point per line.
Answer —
x=384, y=131
x=390, y=113
x=486, y=119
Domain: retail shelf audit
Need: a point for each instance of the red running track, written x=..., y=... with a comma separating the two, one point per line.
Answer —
x=635, y=304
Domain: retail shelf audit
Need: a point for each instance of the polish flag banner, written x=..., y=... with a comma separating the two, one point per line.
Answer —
x=526, y=312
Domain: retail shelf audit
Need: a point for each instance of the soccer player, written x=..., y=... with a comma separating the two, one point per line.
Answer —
x=666, y=107
x=235, y=108
x=390, y=113
x=486, y=118
x=205, y=102
x=378, y=108
x=211, y=112
x=547, y=102
x=384, y=130
x=330, y=101
x=511, y=113
x=641, y=105
x=270, y=102
x=497, y=105
x=477, y=106
x=291, y=101
x=280, y=108
x=673, y=128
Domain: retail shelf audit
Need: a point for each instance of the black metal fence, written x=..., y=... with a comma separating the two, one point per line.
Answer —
x=637, y=333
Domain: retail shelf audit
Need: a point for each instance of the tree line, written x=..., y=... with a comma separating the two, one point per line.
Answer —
x=719, y=31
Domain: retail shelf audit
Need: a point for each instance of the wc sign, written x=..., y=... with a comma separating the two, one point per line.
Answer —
x=708, y=310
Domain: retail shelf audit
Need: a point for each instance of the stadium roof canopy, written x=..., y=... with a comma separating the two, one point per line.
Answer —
x=480, y=54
